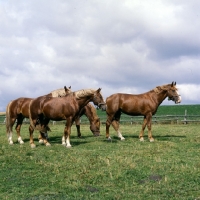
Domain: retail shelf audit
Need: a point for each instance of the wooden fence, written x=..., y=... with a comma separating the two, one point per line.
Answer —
x=125, y=119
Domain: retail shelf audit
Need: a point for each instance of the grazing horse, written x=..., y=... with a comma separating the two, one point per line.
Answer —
x=18, y=109
x=42, y=110
x=145, y=104
x=90, y=112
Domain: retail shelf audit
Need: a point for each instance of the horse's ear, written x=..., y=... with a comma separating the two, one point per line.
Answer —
x=65, y=87
x=175, y=83
x=99, y=90
x=172, y=84
x=70, y=87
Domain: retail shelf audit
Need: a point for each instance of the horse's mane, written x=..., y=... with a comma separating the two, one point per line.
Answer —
x=58, y=93
x=159, y=89
x=84, y=92
x=92, y=108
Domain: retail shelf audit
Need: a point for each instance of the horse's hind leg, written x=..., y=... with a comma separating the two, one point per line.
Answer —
x=9, y=125
x=108, y=123
x=115, y=124
x=18, y=128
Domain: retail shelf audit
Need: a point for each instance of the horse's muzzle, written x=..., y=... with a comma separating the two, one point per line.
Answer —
x=176, y=99
x=102, y=106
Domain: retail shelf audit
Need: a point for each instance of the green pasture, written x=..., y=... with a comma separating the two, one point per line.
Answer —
x=172, y=110
x=95, y=168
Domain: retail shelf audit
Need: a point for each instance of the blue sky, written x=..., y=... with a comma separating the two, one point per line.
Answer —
x=127, y=46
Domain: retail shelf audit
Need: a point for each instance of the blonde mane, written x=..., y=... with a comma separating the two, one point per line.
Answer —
x=159, y=89
x=84, y=92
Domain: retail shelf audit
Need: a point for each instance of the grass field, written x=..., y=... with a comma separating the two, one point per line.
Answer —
x=95, y=168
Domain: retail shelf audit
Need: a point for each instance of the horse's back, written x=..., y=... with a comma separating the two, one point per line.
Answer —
x=130, y=104
x=50, y=107
x=114, y=102
x=121, y=98
x=19, y=106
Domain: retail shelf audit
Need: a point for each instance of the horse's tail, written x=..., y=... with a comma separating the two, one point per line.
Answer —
x=30, y=116
x=7, y=121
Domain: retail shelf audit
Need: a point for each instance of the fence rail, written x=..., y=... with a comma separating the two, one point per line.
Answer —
x=125, y=119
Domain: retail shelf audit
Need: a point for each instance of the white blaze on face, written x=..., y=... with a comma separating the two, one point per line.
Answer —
x=179, y=97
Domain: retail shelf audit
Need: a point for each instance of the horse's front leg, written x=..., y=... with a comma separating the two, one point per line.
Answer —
x=43, y=138
x=77, y=122
x=108, y=123
x=44, y=135
x=141, y=136
x=149, y=122
x=67, y=132
x=31, y=130
x=115, y=124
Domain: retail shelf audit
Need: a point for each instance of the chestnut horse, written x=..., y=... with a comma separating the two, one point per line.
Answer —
x=42, y=110
x=90, y=112
x=18, y=109
x=145, y=104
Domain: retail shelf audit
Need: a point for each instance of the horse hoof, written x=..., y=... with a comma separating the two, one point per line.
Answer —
x=33, y=145
x=41, y=141
x=109, y=139
x=141, y=139
x=151, y=140
x=64, y=144
x=122, y=138
x=69, y=146
x=48, y=144
x=21, y=142
x=11, y=142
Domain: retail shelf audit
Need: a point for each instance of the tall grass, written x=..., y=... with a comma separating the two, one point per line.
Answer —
x=95, y=168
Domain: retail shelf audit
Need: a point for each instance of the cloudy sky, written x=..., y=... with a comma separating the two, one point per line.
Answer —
x=127, y=46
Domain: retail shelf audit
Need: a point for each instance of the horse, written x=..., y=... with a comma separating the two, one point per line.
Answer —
x=42, y=110
x=145, y=104
x=90, y=112
x=18, y=109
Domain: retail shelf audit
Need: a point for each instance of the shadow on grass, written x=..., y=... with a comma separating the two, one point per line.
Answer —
x=58, y=140
x=156, y=136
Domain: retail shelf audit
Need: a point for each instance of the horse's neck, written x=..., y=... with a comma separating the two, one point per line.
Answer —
x=160, y=97
x=83, y=101
x=90, y=112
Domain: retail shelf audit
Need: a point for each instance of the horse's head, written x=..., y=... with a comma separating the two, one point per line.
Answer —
x=95, y=127
x=98, y=99
x=173, y=94
x=67, y=90
x=61, y=92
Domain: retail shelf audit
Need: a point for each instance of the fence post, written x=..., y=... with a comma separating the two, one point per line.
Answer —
x=185, y=117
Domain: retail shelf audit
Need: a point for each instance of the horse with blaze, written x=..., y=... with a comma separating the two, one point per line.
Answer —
x=145, y=104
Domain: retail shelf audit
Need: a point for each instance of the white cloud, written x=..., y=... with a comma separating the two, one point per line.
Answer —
x=120, y=46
